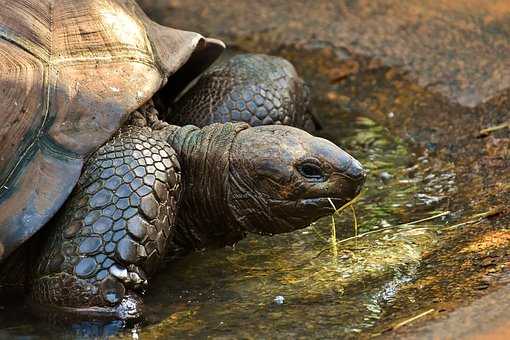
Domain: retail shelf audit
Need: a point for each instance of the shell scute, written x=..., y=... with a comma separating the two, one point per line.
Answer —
x=71, y=72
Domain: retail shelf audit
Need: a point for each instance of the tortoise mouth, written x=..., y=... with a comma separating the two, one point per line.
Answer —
x=315, y=206
x=325, y=201
x=290, y=215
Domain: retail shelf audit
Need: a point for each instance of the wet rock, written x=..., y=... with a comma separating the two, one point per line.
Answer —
x=454, y=48
x=429, y=199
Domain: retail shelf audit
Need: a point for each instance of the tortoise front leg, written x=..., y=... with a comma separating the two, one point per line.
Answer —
x=112, y=232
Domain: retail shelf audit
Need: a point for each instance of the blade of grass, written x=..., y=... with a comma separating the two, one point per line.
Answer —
x=333, y=233
x=426, y=219
x=489, y=130
x=334, y=241
x=414, y=318
x=346, y=205
x=355, y=220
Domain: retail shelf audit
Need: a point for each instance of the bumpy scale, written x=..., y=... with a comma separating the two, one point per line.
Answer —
x=250, y=88
x=114, y=229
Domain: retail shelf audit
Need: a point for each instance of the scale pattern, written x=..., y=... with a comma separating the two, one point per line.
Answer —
x=71, y=73
x=255, y=89
x=114, y=229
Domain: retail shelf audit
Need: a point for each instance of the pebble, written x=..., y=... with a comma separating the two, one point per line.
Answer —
x=279, y=300
x=385, y=176
x=385, y=224
x=345, y=257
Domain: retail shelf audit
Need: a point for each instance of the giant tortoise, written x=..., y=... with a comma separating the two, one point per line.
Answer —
x=83, y=154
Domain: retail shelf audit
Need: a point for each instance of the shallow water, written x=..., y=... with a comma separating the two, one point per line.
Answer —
x=300, y=284
x=303, y=283
x=409, y=252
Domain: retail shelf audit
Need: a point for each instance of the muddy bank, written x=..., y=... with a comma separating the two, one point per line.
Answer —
x=435, y=74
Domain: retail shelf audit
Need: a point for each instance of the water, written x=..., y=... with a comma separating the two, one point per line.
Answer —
x=303, y=284
x=299, y=284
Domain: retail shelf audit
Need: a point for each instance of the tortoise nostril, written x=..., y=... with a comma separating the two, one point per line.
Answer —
x=357, y=172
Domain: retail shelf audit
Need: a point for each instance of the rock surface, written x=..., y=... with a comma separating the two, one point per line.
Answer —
x=436, y=73
x=457, y=48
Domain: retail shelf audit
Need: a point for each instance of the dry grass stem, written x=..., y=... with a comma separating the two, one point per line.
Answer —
x=474, y=219
x=414, y=318
x=444, y=213
x=489, y=130
x=334, y=242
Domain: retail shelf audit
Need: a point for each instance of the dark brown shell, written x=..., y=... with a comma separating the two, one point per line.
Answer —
x=71, y=71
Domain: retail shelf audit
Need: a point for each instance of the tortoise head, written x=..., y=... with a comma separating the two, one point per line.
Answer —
x=282, y=179
x=266, y=180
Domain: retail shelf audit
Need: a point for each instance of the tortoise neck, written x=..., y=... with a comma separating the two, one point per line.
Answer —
x=204, y=218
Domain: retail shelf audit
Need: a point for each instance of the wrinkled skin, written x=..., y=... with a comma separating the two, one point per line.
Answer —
x=272, y=197
x=156, y=189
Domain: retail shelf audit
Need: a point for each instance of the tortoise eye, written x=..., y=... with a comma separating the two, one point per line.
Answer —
x=311, y=171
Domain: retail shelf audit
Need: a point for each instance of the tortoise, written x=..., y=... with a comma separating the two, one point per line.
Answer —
x=85, y=156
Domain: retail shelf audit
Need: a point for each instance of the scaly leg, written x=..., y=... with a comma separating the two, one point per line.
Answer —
x=111, y=234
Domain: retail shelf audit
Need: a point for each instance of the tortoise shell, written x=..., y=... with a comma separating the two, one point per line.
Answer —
x=71, y=72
